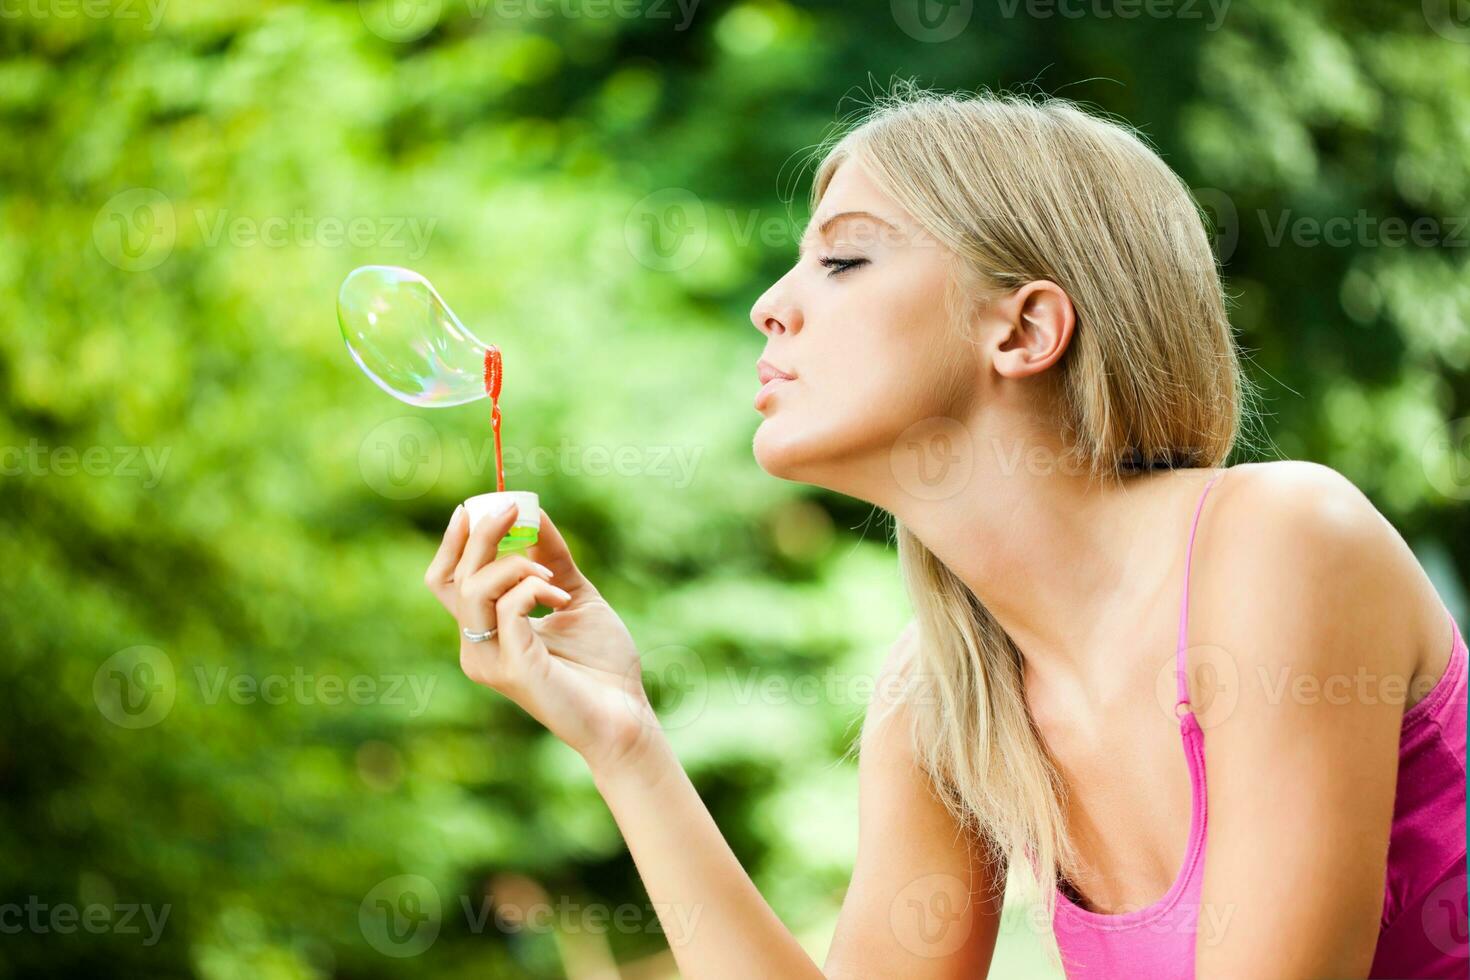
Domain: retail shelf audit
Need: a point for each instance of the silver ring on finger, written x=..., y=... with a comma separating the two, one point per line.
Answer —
x=475, y=636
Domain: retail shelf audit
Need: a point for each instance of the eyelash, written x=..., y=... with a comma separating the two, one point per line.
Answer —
x=839, y=266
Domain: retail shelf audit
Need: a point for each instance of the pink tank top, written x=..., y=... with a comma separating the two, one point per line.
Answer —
x=1423, y=932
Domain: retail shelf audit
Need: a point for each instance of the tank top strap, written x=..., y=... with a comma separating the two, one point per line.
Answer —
x=1181, y=675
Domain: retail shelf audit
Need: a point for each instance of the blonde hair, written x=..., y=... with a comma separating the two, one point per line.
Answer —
x=1020, y=189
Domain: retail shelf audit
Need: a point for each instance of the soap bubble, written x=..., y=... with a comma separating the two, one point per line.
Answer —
x=408, y=340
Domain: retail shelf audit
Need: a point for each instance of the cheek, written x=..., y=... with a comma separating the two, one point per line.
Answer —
x=873, y=379
x=854, y=403
x=877, y=359
x=895, y=358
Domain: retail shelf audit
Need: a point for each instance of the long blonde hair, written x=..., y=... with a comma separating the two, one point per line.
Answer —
x=1021, y=189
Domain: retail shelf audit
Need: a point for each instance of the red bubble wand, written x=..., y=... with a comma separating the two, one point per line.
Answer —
x=493, y=373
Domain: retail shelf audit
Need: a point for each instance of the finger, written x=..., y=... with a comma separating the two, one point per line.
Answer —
x=441, y=568
x=484, y=540
x=551, y=550
x=479, y=592
x=513, y=609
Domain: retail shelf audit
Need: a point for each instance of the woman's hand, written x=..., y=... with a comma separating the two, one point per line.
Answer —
x=576, y=670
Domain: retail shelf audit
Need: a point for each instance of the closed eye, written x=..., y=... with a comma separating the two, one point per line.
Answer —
x=839, y=266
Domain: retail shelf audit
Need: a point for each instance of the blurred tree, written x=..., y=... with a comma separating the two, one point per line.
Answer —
x=193, y=465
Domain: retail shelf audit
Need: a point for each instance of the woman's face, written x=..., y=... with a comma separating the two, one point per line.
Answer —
x=860, y=323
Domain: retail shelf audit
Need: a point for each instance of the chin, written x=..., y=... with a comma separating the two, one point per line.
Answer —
x=776, y=452
x=799, y=453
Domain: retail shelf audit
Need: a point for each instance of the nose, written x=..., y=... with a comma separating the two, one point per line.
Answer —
x=775, y=314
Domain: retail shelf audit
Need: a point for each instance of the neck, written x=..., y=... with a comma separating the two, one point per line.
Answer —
x=1063, y=561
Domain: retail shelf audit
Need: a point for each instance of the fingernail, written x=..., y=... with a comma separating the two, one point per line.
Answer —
x=455, y=516
x=561, y=592
x=542, y=569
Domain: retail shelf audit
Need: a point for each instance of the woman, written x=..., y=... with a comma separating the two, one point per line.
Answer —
x=1218, y=715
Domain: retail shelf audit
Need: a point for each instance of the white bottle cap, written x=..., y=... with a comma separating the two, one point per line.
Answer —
x=486, y=505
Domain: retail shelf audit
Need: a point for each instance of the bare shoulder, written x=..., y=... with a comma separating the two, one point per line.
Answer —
x=1310, y=499
x=1311, y=610
x=1296, y=561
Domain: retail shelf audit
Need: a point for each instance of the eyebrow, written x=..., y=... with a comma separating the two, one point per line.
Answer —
x=822, y=230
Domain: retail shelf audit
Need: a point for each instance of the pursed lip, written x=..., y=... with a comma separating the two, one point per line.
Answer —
x=768, y=371
x=772, y=378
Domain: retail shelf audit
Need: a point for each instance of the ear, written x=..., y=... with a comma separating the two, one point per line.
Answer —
x=1035, y=326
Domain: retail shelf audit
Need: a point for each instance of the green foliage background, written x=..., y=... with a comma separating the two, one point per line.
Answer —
x=294, y=512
